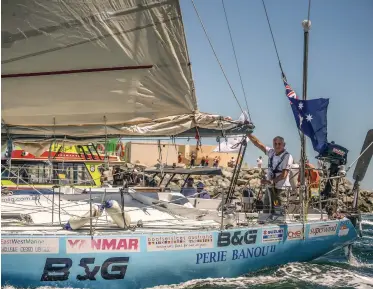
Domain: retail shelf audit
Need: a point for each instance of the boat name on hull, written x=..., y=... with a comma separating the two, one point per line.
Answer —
x=236, y=254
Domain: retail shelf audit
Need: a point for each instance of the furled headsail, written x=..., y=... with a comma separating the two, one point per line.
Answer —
x=82, y=70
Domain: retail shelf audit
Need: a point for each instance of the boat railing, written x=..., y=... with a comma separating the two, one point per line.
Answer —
x=289, y=193
x=56, y=205
x=20, y=175
x=326, y=204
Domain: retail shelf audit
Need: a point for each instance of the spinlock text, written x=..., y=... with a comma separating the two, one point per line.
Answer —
x=237, y=238
x=58, y=269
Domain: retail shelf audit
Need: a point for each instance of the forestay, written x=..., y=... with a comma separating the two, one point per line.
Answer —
x=85, y=69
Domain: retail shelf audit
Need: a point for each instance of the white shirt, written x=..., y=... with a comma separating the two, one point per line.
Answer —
x=285, y=165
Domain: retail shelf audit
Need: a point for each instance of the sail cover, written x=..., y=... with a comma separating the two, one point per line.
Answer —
x=86, y=69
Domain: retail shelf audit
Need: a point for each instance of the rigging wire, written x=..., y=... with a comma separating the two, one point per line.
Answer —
x=273, y=39
x=235, y=57
x=274, y=44
x=216, y=56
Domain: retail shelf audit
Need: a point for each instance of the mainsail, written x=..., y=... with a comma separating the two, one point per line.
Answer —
x=82, y=70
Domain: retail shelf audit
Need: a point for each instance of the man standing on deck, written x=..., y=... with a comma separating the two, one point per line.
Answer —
x=279, y=165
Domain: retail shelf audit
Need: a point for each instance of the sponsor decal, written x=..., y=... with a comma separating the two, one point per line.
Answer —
x=343, y=230
x=236, y=254
x=97, y=245
x=179, y=242
x=237, y=238
x=58, y=269
x=338, y=151
x=295, y=233
x=92, y=168
x=30, y=246
x=272, y=235
x=319, y=230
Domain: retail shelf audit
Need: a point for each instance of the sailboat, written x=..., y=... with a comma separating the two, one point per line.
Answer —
x=76, y=71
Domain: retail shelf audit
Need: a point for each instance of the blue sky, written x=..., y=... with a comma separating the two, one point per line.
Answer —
x=340, y=66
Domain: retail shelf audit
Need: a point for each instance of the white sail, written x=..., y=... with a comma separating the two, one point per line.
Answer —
x=84, y=69
x=230, y=145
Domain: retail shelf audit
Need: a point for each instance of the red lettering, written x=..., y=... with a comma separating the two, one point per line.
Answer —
x=73, y=243
x=105, y=244
x=122, y=244
x=96, y=244
x=294, y=234
x=133, y=244
x=82, y=243
x=109, y=245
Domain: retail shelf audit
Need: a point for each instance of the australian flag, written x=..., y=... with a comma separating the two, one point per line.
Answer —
x=310, y=116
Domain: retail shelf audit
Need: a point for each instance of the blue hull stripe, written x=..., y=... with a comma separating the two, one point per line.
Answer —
x=146, y=260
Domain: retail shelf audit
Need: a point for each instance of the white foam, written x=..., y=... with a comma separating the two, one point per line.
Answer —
x=367, y=222
x=326, y=275
x=240, y=282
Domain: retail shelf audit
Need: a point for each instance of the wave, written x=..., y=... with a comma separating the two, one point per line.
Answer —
x=291, y=275
x=367, y=222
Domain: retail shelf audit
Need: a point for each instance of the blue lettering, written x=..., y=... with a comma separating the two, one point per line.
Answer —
x=256, y=252
x=250, y=252
x=242, y=254
x=223, y=256
x=211, y=257
x=199, y=257
x=235, y=254
x=264, y=248
x=206, y=257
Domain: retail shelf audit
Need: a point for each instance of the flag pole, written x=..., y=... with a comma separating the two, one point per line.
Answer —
x=303, y=190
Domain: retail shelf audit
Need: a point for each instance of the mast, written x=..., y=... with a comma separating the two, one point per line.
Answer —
x=303, y=190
